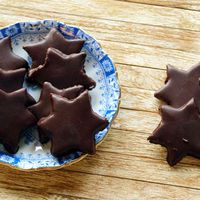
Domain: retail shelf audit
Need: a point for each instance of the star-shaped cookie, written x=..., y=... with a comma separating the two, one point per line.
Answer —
x=14, y=118
x=11, y=80
x=9, y=60
x=43, y=107
x=72, y=125
x=180, y=86
x=53, y=39
x=179, y=131
x=62, y=70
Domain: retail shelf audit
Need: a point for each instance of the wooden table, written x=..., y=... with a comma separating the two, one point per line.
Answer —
x=141, y=36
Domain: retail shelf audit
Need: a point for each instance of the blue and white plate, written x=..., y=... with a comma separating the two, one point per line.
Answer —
x=105, y=97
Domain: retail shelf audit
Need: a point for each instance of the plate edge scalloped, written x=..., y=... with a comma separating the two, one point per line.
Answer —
x=99, y=143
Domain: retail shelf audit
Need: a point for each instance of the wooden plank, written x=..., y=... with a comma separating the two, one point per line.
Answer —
x=8, y=194
x=138, y=99
x=136, y=144
x=84, y=184
x=27, y=193
x=149, y=56
x=65, y=197
x=139, y=77
x=138, y=13
x=184, y=4
x=119, y=31
x=129, y=167
x=134, y=120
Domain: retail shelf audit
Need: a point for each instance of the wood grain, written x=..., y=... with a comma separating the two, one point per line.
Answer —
x=130, y=167
x=149, y=56
x=140, y=121
x=141, y=36
x=87, y=185
x=137, y=99
x=183, y=4
x=131, y=145
x=118, y=11
x=147, y=35
x=139, y=77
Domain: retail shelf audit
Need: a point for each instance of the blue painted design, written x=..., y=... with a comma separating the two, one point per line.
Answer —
x=11, y=30
x=108, y=65
x=32, y=154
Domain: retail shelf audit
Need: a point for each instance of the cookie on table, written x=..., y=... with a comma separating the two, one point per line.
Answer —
x=62, y=70
x=55, y=39
x=179, y=131
x=43, y=107
x=180, y=86
x=72, y=125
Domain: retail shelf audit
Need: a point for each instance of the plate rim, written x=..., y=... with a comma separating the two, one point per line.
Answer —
x=76, y=160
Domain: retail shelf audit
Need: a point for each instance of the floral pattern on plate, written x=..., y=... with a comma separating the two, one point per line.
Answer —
x=105, y=97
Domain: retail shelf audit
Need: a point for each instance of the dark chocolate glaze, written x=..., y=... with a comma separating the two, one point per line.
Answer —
x=56, y=40
x=72, y=125
x=43, y=107
x=9, y=60
x=179, y=131
x=62, y=71
x=14, y=118
x=30, y=100
x=180, y=86
x=11, y=80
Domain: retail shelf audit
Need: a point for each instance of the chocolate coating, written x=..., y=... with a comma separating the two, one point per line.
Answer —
x=12, y=80
x=43, y=107
x=180, y=86
x=62, y=71
x=9, y=60
x=179, y=132
x=30, y=100
x=14, y=118
x=53, y=39
x=72, y=125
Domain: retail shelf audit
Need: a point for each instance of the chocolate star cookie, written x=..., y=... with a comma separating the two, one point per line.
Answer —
x=180, y=86
x=12, y=80
x=56, y=40
x=62, y=70
x=179, y=132
x=43, y=107
x=14, y=118
x=72, y=125
x=9, y=60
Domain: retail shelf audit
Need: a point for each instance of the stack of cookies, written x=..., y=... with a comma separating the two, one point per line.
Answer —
x=179, y=129
x=63, y=113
